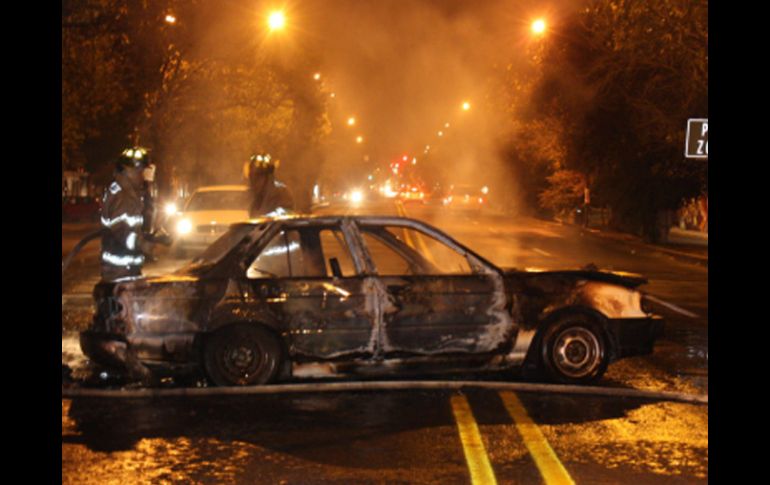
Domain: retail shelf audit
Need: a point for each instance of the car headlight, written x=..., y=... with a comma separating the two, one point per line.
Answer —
x=184, y=226
x=170, y=209
x=356, y=196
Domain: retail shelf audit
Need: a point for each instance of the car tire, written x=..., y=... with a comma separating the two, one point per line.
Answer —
x=574, y=350
x=241, y=355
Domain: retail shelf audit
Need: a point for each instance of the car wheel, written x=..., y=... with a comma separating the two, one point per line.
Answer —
x=574, y=350
x=241, y=355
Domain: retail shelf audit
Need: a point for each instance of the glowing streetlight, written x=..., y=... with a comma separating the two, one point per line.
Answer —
x=538, y=27
x=317, y=76
x=466, y=106
x=276, y=20
x=440, y=133
x=170, y=19
x=351, y=121
x=359, y=139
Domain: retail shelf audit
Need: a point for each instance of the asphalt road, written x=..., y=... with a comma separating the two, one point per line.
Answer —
x=420, y=436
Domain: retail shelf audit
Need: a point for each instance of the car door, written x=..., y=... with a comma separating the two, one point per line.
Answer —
x=441, y=303
x=313, y=286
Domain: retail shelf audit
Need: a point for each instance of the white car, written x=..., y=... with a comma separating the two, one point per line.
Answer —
x=207, y=215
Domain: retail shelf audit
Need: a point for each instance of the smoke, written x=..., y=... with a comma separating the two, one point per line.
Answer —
x=403, y=69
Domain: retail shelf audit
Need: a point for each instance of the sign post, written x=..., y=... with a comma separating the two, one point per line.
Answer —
x=697, y=143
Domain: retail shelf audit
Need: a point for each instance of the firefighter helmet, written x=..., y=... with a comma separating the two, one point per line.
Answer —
x=263, y=162
x=136, y=157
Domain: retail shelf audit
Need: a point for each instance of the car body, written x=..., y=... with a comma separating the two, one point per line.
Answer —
x=208, y=213
x=465, y=197
x=412, y=193
x=319, y=296
x=81, y=209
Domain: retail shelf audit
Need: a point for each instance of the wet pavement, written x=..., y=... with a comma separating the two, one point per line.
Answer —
x=375, y=437
x=413, y=436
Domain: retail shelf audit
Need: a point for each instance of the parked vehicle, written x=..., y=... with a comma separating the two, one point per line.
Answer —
x=207, y=214
x=465, y=197
x=81, y=209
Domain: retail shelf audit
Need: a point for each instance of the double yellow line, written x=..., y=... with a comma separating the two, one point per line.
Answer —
x=551, y=469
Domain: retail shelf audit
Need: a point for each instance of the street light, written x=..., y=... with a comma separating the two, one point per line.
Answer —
x=351, y=121
x=466, y=106
x=170, y=19
x=359, y=139
x=317, y=76
x=276, y=20
x=538, y=27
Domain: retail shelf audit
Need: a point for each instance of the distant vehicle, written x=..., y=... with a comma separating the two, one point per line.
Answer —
x=208, y=214
x=465, y=197
x=327, y=296
x=81, y=209
x=412, y=194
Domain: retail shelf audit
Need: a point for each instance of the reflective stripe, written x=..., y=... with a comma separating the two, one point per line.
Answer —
x=115, y=188
x=280, y=211
x=131, y=241
x=130, y=220
x=122, y=260
x=128, y=278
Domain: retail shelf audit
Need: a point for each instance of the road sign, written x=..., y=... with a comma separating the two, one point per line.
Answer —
x=697, y=144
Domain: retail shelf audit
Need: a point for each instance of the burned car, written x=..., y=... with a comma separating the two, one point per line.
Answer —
x=273, y=299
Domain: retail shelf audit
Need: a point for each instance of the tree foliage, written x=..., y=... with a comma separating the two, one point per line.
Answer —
x=564, y=192
x=196, y=91
x=94, y=75
x=622, y=78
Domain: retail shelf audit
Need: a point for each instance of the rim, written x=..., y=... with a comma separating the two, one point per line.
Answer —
x=241, y=361
x=577, y=352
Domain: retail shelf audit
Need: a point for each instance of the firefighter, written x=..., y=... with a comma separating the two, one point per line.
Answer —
x=125, y=243
x=269, y=197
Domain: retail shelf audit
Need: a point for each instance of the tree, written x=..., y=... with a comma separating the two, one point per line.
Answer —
x=565, y=191
x=196, y=90
x=622, y=78
x=94, y=92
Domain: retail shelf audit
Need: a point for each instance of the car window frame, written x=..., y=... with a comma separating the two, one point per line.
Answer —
x=258, y=246
x=412, y=256
x=478, y=264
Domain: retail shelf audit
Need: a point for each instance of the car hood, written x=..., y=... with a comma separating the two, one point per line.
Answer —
x=628, y=280
x=216, y=217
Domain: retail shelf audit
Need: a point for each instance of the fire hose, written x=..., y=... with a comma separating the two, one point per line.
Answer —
x=158, y=237
x=79, y=246
x=68, y=393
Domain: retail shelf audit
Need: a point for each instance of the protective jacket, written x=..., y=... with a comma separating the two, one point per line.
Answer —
x=122, y=238
x=270, y=197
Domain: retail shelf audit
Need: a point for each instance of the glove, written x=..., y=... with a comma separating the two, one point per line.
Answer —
x=149, y=173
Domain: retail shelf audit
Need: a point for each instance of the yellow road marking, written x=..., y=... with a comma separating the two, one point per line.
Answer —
x=547, y=462
x=473, y=446
x=541, y=252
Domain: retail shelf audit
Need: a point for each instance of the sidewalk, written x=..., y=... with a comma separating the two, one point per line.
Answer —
x=688, y=246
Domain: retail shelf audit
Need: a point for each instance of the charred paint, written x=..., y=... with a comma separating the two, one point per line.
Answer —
x=330, y=325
